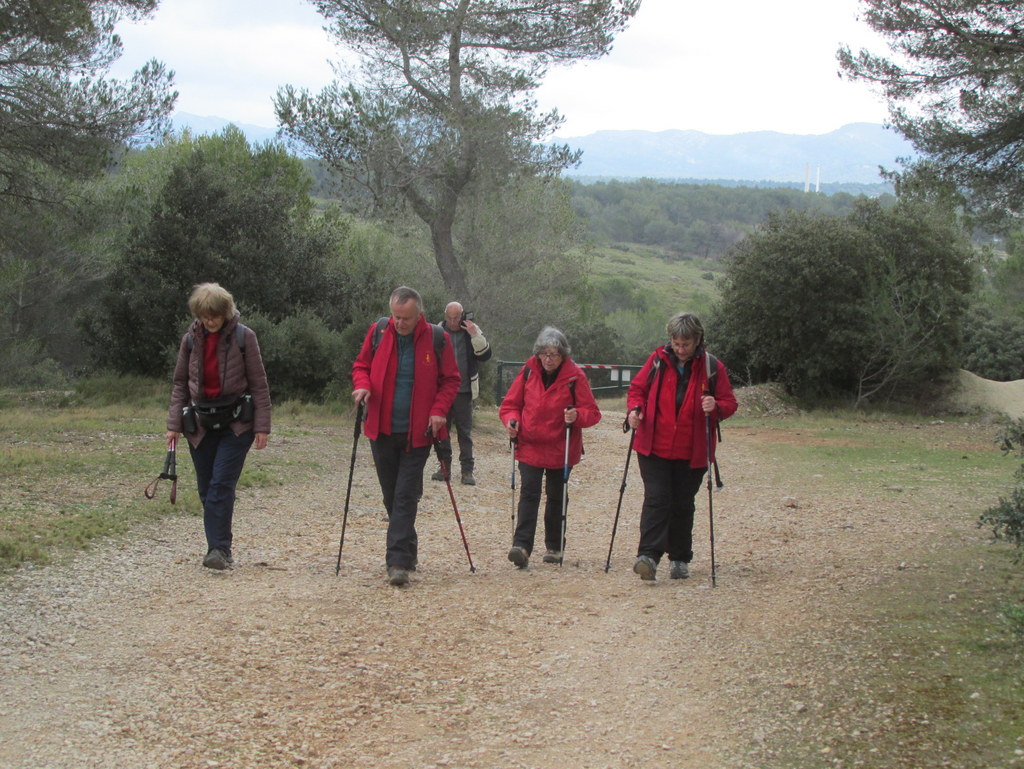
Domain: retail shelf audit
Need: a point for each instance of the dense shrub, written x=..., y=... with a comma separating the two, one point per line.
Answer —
x=302, y=356
x=993, y=347
x=1007, y=518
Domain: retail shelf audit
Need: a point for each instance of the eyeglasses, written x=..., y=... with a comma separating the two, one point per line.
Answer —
x=549, y=355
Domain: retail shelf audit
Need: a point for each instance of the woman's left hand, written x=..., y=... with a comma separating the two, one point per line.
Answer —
x=570, y=415
x=261, y=441
x=708, y=403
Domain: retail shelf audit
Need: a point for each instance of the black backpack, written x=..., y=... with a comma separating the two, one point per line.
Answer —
x=382, y=323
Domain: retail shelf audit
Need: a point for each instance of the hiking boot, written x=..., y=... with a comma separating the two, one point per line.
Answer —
x=646, y=567
x=680, y=570
x=553, y=556
x=468, y=479
x=519, y=556
x=438, y=476
x=398, y=576
x=216, y=559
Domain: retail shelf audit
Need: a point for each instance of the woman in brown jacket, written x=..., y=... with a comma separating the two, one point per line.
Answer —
x=220, y=400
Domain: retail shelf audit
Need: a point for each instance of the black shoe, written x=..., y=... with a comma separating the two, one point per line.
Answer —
x=553, y=556
x=398, y=576
x=519, y=556
x=468, y=479
x=646, y=567
x=438, y=476
x=680, y=570
x=217, y=559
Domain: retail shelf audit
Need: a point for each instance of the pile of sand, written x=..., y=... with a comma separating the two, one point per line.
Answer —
x=972, y=393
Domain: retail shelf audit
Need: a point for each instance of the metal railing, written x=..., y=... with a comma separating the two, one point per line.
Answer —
x=603, y=377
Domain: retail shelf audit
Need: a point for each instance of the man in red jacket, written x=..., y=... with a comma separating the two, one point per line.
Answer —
x=670, y=403
x=407, y=392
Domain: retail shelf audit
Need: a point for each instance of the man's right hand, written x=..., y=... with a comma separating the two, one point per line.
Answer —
x=360, y=396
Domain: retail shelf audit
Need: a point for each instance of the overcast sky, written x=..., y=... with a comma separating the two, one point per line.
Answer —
x=720, y=67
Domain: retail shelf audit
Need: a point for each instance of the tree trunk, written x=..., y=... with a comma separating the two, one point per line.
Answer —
x=452, y=274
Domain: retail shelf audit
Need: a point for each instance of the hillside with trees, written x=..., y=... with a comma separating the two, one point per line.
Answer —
x=311, y=247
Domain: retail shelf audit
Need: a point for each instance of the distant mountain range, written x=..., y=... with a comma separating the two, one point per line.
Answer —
x=850, y=155
x=210, y=124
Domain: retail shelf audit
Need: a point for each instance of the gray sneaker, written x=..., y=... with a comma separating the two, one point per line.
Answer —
x=646, y=567
x=468, y=479
x=398, y=576
x=216, y=559
x=438, y=476
x=519, y=556
x=553, y=556
x=680, y=570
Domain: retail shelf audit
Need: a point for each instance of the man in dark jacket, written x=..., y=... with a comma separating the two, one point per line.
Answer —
x=471, y=349
x=407, y=387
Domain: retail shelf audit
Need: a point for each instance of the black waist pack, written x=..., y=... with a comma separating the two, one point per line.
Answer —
x=218, y=414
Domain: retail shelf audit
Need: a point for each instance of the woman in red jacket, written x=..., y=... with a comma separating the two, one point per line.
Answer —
x=668, y=401
x=549, y=398
x=220, y=399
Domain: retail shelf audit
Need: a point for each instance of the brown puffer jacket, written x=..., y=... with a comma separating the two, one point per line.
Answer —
x=240, y=374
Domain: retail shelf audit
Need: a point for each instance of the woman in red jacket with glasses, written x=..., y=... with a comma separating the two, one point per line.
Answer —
x=549, y=398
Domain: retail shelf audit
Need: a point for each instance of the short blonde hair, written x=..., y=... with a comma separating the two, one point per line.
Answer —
x=211, y=300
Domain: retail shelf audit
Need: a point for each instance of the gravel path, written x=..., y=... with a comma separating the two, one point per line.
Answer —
x=132, y=654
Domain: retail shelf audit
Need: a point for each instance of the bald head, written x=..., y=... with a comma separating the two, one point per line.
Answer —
x=453, y=316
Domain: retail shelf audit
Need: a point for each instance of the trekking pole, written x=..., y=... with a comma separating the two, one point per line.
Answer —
x=707, y=435
x=170, y=472
x=565, y=489
x=348, y=491
x=445, y=471
x=512, y=443
x=622, y=489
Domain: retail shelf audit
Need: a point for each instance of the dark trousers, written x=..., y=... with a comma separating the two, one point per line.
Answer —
x=460, y=415
x=666, y=519
x=400, y=473
x=218, y=460
x=531, y=479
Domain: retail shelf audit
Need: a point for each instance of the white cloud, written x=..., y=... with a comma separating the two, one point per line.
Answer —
x=231, y=56
x=724, y=67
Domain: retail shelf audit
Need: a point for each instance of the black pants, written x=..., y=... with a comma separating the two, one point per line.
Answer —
x=218, y=460
x=666, y=519
x=531, y=479
x=460, y=415
x=400, y=474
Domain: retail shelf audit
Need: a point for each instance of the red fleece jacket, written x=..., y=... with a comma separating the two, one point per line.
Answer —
x=435, y=383
x=665, y=432
x=540, y=414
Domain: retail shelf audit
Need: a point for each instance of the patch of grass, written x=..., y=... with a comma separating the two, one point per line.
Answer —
x=673, y=284
x=893, y=455
x=74, y=472
x=942, y=679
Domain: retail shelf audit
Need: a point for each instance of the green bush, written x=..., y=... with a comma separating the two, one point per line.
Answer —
x=1007, y=518
x=302, y=356
x=23, y=365
x=993, y=347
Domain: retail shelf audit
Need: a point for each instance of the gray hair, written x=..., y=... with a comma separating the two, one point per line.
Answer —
x=550, y=336
x=403, y=294
x=685, y=325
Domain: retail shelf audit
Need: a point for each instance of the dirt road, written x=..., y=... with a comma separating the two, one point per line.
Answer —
x=134, y=655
